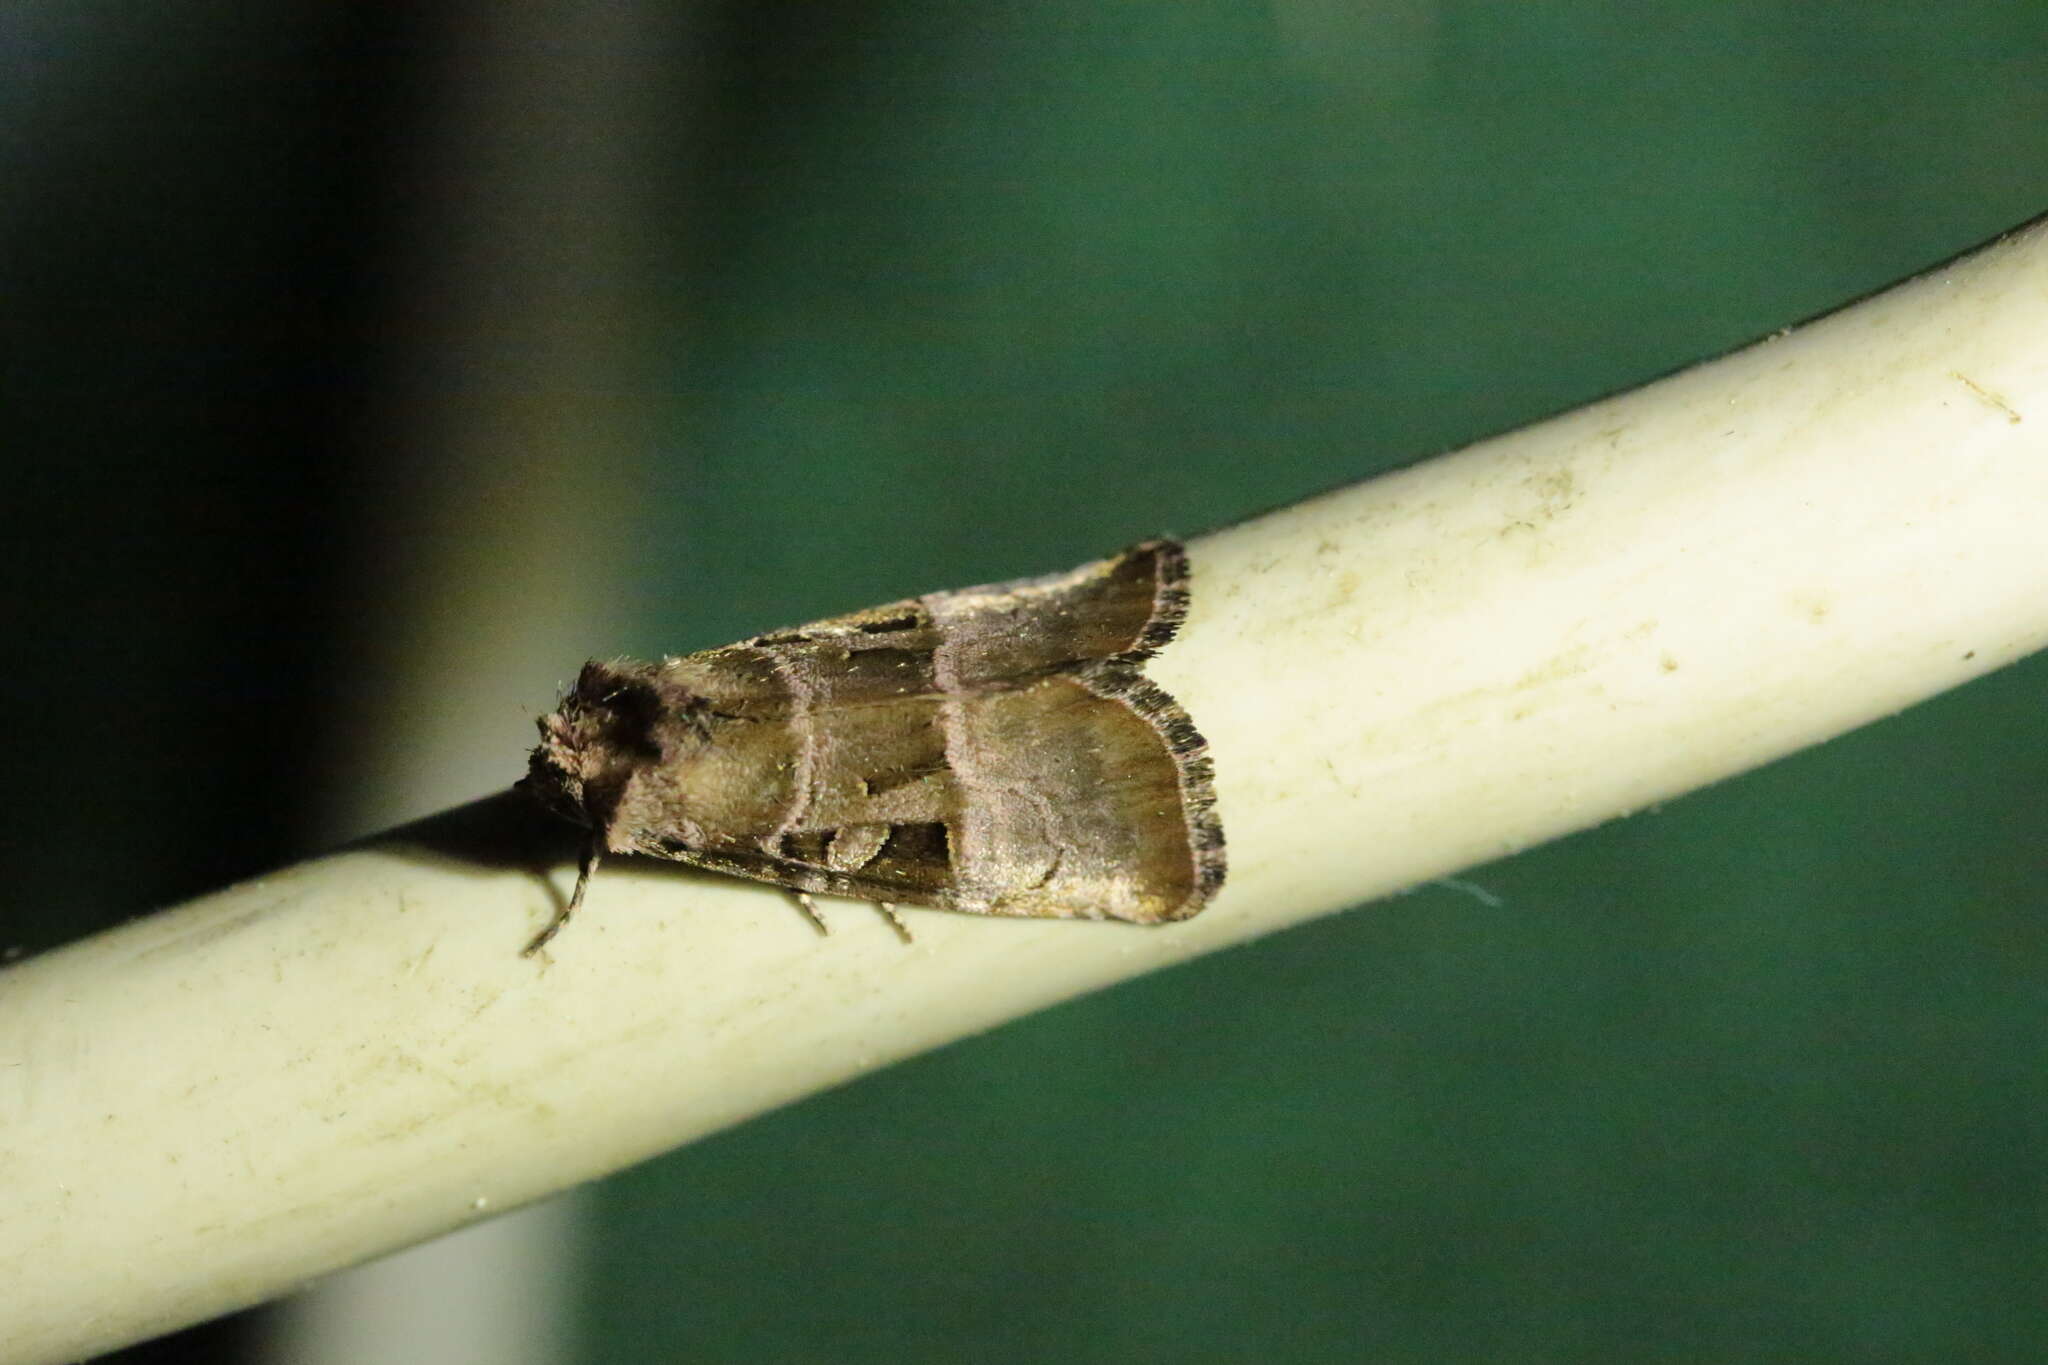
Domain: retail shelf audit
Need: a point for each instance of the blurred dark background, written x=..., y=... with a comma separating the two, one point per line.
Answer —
x=367, y=366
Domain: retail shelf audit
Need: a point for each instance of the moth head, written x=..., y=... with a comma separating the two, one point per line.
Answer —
x=605, y=729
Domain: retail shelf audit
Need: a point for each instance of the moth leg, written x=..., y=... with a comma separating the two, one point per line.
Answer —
x=810, y=909
x=895, y=920
x=593, y=849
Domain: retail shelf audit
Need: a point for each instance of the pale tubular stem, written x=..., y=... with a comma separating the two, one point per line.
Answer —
x=206, y=1107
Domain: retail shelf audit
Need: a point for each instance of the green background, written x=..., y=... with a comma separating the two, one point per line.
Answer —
x=1755, y=1077
x=948, y=293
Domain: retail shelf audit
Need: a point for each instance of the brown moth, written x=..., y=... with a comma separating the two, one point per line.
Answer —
x=996, y=750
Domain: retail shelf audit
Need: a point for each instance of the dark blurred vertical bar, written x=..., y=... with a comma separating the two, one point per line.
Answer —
x=190, y=259
x=499, y=507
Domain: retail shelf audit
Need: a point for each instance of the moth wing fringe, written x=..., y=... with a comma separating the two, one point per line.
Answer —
x=1197, y=771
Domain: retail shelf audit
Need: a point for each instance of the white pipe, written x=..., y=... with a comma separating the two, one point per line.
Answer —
x=204, y=1108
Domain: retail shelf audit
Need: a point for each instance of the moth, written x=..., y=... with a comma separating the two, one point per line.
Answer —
x=996, y=750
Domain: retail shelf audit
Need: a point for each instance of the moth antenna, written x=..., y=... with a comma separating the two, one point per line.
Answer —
x=593, y=849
